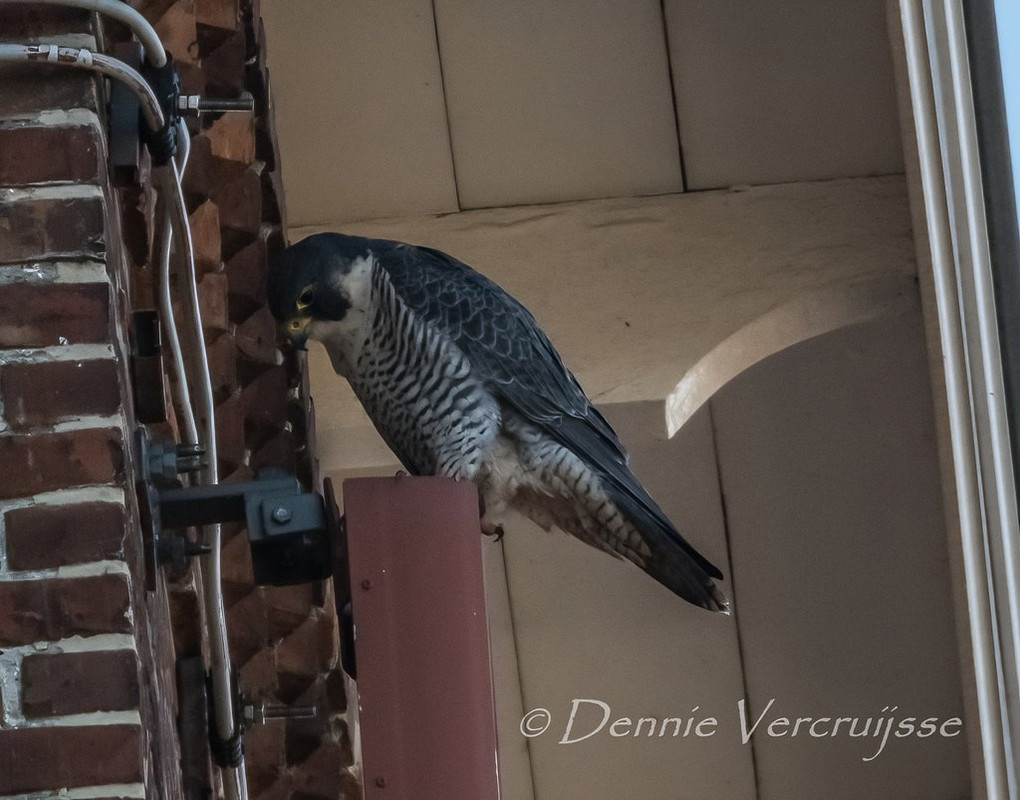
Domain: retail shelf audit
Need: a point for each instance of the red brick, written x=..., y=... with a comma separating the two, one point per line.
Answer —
x=205, y=234
x=336, y=691
x=206, y=171
x=246, y=273
x=212, y=301
x=184, y=618
x=280, y=451
x=287, y=607
x=232, y=137
x=237, y=566
x=19, y=21
x=224, y=67
x=79, y=683
x=31, y=88
x=317, y=777
x=37, y=759
x=176, y=28
x=217, y=13
x=44, y=316
x=304, y=736
x=192, y=80
x=256, y=343
x=263, y=749
x=44, y=537
x=258, y=675
x=222, y=354
x=36, y=463
x=52, y=228
x=248, y=626
x=230, y=441
x=265, y=400
x=41, y=394
x=68, y=154
x=53, y=609
x=311, y=649
x=240, y=205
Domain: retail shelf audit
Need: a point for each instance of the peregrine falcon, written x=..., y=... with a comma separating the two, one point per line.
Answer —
x=460, y=381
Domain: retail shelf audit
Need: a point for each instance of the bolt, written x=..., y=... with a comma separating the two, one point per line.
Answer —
x=289, y=712
x=366, y=584
x=380, y=782
x=197, y=549
x=281, y=514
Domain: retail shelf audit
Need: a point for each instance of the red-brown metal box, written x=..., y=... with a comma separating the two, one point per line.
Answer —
x=426, y=710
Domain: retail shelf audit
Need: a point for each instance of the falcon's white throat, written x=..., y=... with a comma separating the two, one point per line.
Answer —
x=343, y=339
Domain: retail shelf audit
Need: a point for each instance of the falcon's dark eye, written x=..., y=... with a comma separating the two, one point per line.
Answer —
x=305, y=298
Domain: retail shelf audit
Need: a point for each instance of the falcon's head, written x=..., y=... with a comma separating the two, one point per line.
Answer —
x=306, y=283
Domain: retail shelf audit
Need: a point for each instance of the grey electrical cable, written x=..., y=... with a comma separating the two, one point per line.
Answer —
x=211, y=571
x=80, y=58
x=122, y=12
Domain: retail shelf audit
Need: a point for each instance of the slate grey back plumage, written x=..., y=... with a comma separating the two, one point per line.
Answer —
x=451, y=362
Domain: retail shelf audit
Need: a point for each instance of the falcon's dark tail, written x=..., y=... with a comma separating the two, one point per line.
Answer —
x=673, y=562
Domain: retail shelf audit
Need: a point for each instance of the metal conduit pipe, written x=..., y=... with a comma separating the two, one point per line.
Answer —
x=966, y=459
x=175, y=215
x=86, y=59
x=216, y=618
x=122, y=12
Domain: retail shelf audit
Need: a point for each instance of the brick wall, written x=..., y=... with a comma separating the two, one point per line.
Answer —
x=79, y=639
x=87, y=656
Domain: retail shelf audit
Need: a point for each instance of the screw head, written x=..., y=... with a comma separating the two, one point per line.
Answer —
x=380, y=782
x=366, y=584
x=281, y=514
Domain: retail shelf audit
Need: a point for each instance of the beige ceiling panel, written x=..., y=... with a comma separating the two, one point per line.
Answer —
x=783, y=90
x=359, y=109
x=840, y=561
x=557, y=101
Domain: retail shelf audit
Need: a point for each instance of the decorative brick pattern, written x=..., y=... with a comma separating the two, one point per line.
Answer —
x=43, y=394
x=45, y=537
x=50, y=610
x=34, y=759
x=66, y=501
x=78, y=683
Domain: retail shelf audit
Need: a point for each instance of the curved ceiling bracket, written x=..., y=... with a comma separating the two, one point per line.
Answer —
x=806, y=316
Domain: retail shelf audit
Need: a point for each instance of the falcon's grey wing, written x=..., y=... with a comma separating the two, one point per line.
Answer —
x=514, y=357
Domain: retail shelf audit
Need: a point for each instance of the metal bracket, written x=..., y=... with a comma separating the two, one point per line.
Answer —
x=162, y=463
x=290, y=539
x=147, y=367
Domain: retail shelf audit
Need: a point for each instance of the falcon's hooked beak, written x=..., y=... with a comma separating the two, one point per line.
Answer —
x=296, y=329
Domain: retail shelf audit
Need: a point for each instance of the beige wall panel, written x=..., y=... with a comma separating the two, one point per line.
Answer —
x=634, y=292
x=557, y=101
x=784, y=90
x=592, y=627
x=840, y=564
x=359, y=109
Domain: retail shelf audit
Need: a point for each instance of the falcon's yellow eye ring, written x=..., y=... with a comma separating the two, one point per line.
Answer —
x=306, y=298
x=294, y=325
